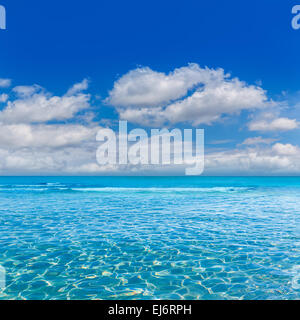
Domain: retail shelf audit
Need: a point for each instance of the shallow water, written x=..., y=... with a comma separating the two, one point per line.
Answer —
x=150, y=238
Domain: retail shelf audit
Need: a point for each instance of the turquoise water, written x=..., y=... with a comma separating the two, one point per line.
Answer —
x=150, y=238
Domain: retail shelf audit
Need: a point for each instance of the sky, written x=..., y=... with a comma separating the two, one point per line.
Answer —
x=69, y=68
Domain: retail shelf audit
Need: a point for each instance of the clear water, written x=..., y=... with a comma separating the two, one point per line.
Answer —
x=150, y=238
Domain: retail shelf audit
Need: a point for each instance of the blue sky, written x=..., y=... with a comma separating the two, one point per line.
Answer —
x=56, y=44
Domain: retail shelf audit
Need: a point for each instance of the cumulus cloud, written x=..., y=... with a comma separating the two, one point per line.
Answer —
x=216, y=142
x=279, y=159
x=3, y=97
x=78, y=87
x=188, y=94
x=208, y=104
x=44, y=136
x=258, y=140
x=67, y=160
x=35, y=105
x=286, y=149
x=5, y=83
x=26, y=91
x=144, y=87
x=279, y=124
x=34, y=141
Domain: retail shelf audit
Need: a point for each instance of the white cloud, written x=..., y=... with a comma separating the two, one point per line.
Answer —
x=30, y=144
x=208, y=104
x=216, y=142
x=53, y=149
x=286, y=149
x=193, y=94
x=33, y=141
x=144, y=87
x=78, y=87
x=279, y=159
x=3, y=97
x=37, y=161
x=143, y=116
x=279, y=124
x=34, y=105
x=26, y=91
x=14, y=136
x=5, y=83
x=258, y=140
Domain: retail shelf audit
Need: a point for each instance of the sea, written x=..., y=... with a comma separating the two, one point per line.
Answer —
x=145, y=238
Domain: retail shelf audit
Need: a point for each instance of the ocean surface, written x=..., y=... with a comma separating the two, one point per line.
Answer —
x=150, y=237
